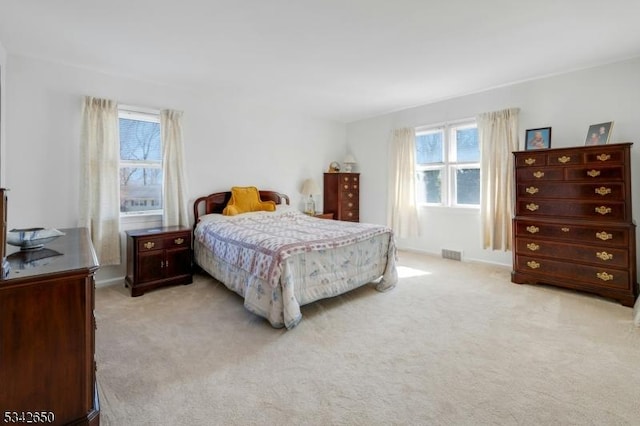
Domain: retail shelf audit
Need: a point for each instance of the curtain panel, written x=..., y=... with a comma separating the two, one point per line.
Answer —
x=175, y=183
x=403, y=211
x=99, y=177
x=498, y=135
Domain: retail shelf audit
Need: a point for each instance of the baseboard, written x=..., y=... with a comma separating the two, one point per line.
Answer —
x=110, y=281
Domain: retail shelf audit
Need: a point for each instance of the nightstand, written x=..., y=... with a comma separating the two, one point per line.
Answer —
x=158, y=257
x=324, y=215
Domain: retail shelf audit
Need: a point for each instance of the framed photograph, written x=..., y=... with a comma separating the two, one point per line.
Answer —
x=538, y=138
x=599, y=134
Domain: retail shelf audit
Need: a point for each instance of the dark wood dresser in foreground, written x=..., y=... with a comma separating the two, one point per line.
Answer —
x=158, y=257
x=342, y=196
x=573, y=226
x=47, y=334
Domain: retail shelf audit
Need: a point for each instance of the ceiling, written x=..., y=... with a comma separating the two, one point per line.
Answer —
x=342, y=60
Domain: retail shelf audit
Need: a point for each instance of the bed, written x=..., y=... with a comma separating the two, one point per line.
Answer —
x=281, y=260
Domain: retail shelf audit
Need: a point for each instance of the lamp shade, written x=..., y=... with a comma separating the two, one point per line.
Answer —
x=309, y=187
x=349, y=159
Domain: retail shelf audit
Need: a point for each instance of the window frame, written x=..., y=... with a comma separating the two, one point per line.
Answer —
x=449, y=166
x=151, y=116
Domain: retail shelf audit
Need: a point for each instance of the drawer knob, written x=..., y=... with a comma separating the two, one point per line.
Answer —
x=149, y=245
x=346, y=187
x=604, y=276
x=533, y=229
x=530, y=161
x=533, y=264
x=350, y=195
x=603, y=210
x=533, y=246
x=538, y=174
x=604, y=236
x=179, y=240
x=603, y=191
x=593, y=173
x=565, y=229
x=603, y=255
x=532, y=207
x=532, y=190
x=350, y=204
x=564, y=159
x=603, y=157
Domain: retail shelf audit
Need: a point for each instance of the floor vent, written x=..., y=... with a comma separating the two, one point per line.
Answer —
x=451, y=254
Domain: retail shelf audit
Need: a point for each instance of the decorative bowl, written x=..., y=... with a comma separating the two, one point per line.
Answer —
x=32, y=238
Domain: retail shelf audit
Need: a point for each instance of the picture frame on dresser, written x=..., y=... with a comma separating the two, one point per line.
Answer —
x=539, y=138
x=599, y=134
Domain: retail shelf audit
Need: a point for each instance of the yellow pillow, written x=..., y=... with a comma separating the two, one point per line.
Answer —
x=246, y=199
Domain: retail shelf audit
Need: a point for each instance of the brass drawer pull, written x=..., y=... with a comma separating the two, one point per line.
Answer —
x=530, y=161
x=603, y=157
x=179, y=240
x=532, y=190
x=565, y=229
x=593, y=173
x=533, y=229
x=604, y=276
x=603, y=191
x=532, y=207
x=533, y=246
x=538, y=174
x=603, y=255
x=603, y=210
x=533, y=264
x=564, y=159
x=149, y=245
x=604, y=236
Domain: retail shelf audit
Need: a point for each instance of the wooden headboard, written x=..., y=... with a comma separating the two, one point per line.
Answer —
x=216, y=202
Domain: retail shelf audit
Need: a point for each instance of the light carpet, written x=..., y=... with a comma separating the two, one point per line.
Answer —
x=453, y=344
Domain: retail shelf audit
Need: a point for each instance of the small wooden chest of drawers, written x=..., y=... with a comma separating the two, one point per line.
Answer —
x=158, y=257
x=573, y=225
x=342, y=196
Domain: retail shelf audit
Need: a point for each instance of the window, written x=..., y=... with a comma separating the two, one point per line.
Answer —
x=140, y=163
x=448, y=165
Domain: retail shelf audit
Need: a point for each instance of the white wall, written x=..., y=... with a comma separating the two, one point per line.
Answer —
x=3, y=107
x=228, y=141
x=568, y=103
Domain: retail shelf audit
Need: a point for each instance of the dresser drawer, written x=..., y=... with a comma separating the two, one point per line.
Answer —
x=151, y=243
x=605, y=155
x=565, y=158
x=604, y=211
x=164, y=242
x=554, y=270
x=598, y=191
x=531, y=159
x=599, y=255
x=601, y=235
x=540, y=174
x=595, y=173
x=351, y=215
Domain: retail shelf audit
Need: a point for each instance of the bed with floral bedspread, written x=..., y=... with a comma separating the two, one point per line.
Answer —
x=279, y=261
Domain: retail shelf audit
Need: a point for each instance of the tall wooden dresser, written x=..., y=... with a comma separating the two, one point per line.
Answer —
x=47, y=334
x=573, y=226
x=342, y=196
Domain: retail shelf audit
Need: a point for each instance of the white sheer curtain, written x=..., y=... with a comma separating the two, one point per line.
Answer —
x=99, y=183
x=498, y=133
x=403, y=213
x=175, y=183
